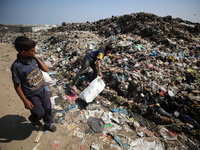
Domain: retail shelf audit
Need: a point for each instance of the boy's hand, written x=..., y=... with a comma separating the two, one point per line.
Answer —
x=100, y=74
x=34, y=56
x=28, y=105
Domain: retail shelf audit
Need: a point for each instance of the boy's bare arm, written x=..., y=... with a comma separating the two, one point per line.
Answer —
x=42, y=66
x=98, y=67
x=27, y=103
x=113, y=56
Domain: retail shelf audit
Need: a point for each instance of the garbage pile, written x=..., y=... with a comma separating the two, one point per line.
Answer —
x=151, y=98
x=158, y=29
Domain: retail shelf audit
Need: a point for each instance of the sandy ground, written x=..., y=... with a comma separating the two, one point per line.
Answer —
x=16, y=132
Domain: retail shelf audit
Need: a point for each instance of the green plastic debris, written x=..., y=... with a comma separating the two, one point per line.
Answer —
x=138, y=46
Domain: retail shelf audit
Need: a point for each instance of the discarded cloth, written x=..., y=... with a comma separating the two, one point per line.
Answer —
x=95, y=124
x=71, y=97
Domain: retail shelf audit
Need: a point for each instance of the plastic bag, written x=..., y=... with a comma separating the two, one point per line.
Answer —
x=166, y=134
x=41, y=57
x=39, y=53
x=48, y=64
x=93, y=90
x=47, y=78
x=146, y=143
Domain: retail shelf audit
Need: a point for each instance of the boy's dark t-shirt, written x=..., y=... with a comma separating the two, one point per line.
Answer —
x=28, y=74
x=94, y=55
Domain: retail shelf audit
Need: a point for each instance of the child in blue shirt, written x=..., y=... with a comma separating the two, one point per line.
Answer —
x=92, y=60
x=29, y=83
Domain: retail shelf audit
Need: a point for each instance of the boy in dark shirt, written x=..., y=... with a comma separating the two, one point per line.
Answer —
x=89, y=61
x=29, y=83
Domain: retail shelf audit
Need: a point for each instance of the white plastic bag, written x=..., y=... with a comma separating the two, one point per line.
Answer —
x=48, y=64
x=47, y=78
x=39, y=53
x=93, y=90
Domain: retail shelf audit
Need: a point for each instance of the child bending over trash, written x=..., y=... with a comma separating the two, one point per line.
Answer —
x=89, y=61
x=29, y=83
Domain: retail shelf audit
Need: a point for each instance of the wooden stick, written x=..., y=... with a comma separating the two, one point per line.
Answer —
x=38, y=135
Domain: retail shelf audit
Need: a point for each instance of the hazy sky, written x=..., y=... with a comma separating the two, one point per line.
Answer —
x=58, y=11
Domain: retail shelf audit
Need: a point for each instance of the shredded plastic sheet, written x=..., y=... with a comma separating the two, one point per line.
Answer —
x=166, y=134
x=55, y=145
x=94, y=113
x=146, y=143
x=124, y=43
x=71, y=97
x=120, y=110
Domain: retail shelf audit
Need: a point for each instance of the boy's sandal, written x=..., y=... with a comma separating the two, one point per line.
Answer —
x=52, y=128
x=35, y=123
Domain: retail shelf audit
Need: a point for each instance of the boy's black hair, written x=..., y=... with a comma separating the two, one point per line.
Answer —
x=109, y=47
x=24, y=44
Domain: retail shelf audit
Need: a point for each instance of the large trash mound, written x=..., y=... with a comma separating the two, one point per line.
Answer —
x=152, y=95
x=146, y=25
